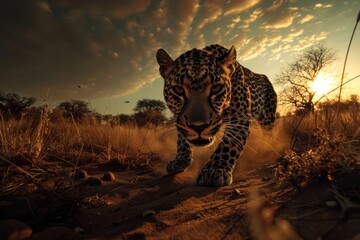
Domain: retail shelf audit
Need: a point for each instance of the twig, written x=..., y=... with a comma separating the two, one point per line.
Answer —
x=19, y=168
x=345, y=205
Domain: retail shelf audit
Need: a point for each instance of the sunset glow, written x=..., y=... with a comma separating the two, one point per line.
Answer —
x=323, y=84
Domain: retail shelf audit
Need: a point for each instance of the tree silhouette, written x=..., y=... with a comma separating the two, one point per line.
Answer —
x=297, y=76
x=149, y=111
x=123, y=119
x=149, y=104
x=75, y=108
x=12, y=105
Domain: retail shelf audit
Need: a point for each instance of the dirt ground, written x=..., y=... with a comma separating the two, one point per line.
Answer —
x=143, y=203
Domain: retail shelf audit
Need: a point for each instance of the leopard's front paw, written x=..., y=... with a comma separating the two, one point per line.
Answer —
x=175, y=167
x=214, y=177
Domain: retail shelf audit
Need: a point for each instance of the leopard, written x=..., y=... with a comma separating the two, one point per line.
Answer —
x=209, y=92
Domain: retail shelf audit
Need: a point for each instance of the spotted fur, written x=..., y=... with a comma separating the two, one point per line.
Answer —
x=206, y=89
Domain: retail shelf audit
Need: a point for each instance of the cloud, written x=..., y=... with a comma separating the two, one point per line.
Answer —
x=274, y=45
x=276, y=5
x=239, y=40
x=292, y=35
x=308, y=41
x=236, y=6
x=281, y=20
x=237, y=19
x=257, y=46
x=307, y=18
x=216, y=35
x=128, y=8
x=274, y=40
x=320, y=5
x=293, y=8
x=199, y=41
x=212, y=10
x=181, y=17
x=88, y=45
x=113, y=8
x=109, y=48
x=256, y=14
x=278, y=49
x=295, y=42
x=254, y=48
x=229, y=27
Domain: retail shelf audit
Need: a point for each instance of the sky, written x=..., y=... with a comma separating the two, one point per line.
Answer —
x=103, y=52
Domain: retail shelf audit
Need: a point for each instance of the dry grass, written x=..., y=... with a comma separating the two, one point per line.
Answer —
x=29, y=144
x=48, y=146
x=332, y=119
x=48, y=136
x=37, y=138
x=325, y=160
x=321, y=144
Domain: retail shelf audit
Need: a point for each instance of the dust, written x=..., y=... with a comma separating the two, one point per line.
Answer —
x=162, y=141
x=262, y=147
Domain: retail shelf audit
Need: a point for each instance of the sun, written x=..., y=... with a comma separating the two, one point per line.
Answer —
x=322, y=84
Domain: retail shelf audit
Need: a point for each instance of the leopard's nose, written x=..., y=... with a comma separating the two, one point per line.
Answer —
x=199, y=128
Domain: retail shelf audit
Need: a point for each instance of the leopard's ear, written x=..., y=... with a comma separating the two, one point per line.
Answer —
x=165, y=62
x=228, y=60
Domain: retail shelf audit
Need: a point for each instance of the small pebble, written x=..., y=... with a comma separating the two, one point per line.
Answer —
x=13, y=229
x=80, y=174
x=240, y=193
x=108, y=176
x=79, y=230
x=331, y=203
x=93, y=181
x=148, y=213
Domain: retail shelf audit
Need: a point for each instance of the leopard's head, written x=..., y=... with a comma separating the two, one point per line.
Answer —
x=197, y=90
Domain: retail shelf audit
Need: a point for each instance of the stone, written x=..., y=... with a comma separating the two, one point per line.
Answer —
x=93, y=181
x=148, y=213
x=80, y=174
x=109, y=176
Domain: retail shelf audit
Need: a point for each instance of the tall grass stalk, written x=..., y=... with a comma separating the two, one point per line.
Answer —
x=347, y=53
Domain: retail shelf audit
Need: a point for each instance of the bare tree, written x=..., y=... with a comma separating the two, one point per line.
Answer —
x=296, y=77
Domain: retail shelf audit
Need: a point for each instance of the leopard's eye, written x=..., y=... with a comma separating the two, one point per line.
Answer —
x=216, y=88
x=179, y=90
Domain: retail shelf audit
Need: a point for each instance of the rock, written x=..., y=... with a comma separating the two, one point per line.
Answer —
x=109, y=176
x=14, y=230
x=80, y=174
x=56, y=233
x=93, y=181
x=79, y=230
x=148, y=213
x=331, y=203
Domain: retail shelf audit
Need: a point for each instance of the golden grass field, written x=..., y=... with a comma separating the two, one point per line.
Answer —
x=41, y=157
